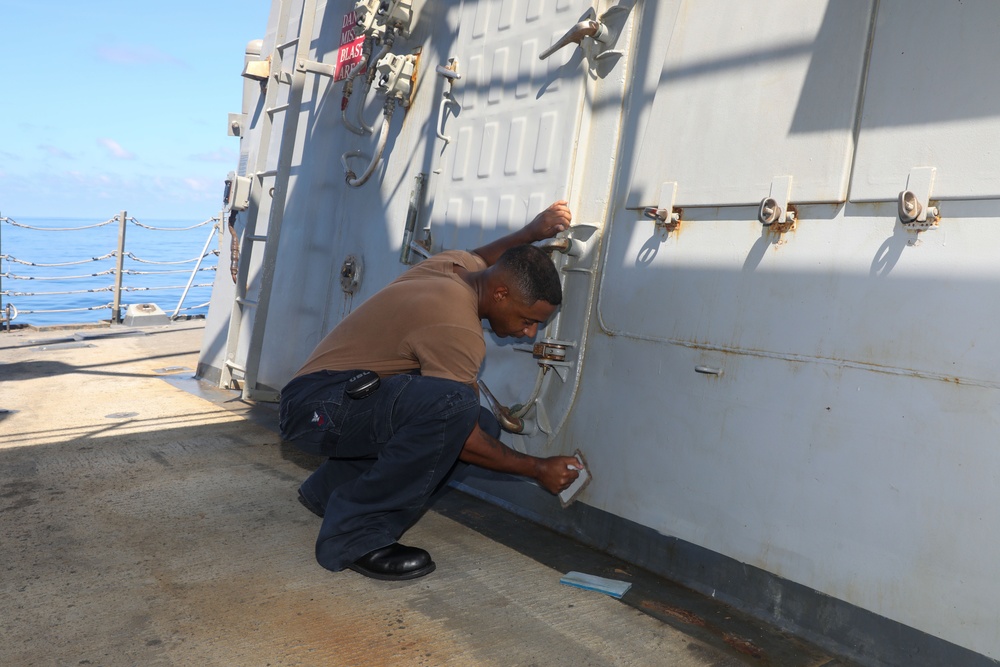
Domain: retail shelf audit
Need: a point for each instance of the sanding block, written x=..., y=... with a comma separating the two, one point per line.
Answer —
x=568, y=495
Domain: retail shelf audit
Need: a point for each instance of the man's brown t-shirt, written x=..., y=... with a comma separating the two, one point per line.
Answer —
x=427, y=319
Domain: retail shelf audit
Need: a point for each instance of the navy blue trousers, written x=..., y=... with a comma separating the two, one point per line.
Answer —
x=387, y=453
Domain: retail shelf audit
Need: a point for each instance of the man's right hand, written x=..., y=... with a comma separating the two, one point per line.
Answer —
x=556, y=473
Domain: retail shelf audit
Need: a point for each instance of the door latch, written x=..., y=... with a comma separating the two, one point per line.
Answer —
x=451, y=75
x=913, y=203
x=775, y=209
x=592, y=28
x=665, y=214
x=574, y=242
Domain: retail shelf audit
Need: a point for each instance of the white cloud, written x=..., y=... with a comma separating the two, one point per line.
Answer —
x=115, y=149
x=96, y=180
x=219, y=155
x=202, y=185
x=93, y=193
x=55, y=151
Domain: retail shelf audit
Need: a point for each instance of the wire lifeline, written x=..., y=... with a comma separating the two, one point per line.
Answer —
x=153, y=289
x=133, y=272
x=14, y=223
x=11, y=258
x=109, y=288
x=185, y=261
x=201, y=305
x=116, y=219
x=125, y=272
x=14, y=276
x=67, y=310
x=169, y=229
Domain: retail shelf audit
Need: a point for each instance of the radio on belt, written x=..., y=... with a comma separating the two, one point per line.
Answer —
x=362, y=384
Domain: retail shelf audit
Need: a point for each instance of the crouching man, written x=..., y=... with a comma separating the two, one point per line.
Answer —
x=395, y=435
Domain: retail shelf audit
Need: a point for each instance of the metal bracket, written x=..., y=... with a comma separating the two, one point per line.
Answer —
x=350, y=274
x=258, y=70
x=914, y=206
x=774, y=208
x=611, y=33
x=550, y=353
x=325, y=69
x=419, y=248
x=664, y=213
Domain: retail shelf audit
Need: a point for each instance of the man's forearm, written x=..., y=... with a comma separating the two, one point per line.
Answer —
x=556, y=218
x=485, y=451
x=491, y=251
x=553, y=473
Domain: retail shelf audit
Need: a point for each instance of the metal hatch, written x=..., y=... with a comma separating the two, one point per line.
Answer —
x=777, y=83
x=941, y=118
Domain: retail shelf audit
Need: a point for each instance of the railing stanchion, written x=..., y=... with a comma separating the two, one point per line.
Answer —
x=116, y=315
x=194, y=271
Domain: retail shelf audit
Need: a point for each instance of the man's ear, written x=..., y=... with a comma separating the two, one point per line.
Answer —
x=500, y=292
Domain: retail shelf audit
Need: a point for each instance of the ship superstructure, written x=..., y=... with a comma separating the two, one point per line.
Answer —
x=775, y=342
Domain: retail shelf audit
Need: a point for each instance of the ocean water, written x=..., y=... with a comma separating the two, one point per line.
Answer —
x=158, y=264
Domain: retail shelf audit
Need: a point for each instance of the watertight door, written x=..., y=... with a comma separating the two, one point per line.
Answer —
x=512, y=141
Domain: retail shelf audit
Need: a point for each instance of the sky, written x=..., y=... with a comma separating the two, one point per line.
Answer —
x=110, y=105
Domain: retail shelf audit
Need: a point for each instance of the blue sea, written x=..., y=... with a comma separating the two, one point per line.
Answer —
x=160, y=256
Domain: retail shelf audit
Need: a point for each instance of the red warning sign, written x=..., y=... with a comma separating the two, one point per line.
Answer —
x=349, y=55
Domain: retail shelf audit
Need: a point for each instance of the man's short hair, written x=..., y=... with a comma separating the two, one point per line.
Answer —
x=531, y=274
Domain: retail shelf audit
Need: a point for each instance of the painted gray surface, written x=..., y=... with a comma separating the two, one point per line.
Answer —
x=850, y=631
x=847, y=444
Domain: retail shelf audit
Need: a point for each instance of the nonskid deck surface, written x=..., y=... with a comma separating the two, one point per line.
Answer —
x=145, y=525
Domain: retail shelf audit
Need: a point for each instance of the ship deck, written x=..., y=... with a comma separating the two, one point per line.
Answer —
x=151, y=519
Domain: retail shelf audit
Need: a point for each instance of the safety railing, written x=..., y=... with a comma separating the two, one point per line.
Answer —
x=131, y=272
